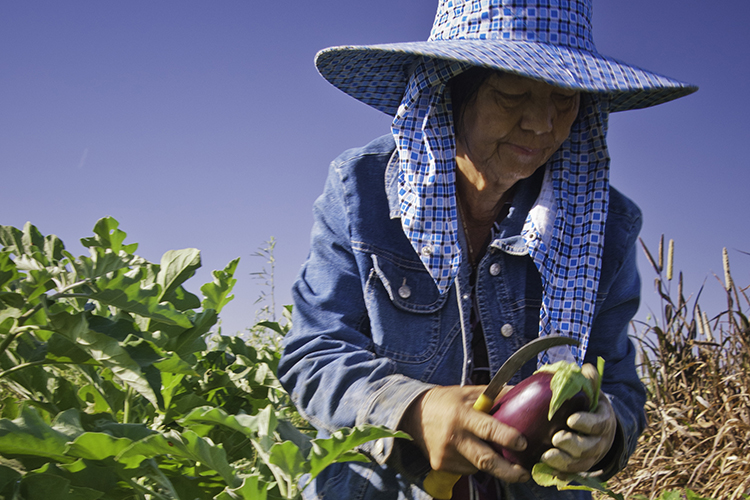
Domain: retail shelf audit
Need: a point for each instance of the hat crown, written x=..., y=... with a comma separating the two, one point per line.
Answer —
x=556, y=22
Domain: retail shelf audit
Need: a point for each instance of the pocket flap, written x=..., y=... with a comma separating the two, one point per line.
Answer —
x=409, y=285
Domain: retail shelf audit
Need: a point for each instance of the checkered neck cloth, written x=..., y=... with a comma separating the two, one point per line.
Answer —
x=564, y=231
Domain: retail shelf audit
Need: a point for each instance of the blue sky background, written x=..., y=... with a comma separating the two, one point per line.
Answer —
x=205, y=124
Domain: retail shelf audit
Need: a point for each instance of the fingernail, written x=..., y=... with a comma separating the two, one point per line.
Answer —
x=521, y=443
x=524, y=474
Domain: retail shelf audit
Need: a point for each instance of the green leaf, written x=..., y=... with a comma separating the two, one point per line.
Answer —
x=691, y=495
x=12, y=240
x=327, y=451
x=68, y=423
x=7, y=477
x=217, y=292
x=62, y=349
x=670, y=495
x=8, y=272
x=45, y=487
x=273, y=325
x=97, y=446
x=107, y=236
x=30, y=435
x=101, y=263
x=544, y=475
x=124, y=290
x=252, y=488
x=172, y=363
x=247, y=425
x=175, y=268
x=183, y=300
x=289, y=463
x=192, y=340
x=83, y=493
x=105, y=350
x=91, y=395
x=188, y=445
x=13, y=299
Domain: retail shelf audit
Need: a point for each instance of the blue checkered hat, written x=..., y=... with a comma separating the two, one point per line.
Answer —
x=547, y=40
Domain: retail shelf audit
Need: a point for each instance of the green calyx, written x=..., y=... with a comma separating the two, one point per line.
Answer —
x=568, y=380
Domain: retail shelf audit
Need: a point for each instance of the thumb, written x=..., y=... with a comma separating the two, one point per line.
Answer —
x=590, y=372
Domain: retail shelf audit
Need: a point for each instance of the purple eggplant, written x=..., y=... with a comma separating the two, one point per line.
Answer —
x=526, y=407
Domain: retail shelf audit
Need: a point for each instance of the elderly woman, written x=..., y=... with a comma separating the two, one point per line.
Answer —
x=484, y=220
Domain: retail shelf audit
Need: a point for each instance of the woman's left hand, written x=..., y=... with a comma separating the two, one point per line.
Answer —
x=594, y=434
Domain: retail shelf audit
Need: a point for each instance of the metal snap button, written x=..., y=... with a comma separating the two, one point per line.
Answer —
x=404, y=291
x=507, y=330
x=495, y=269
x=427, y=250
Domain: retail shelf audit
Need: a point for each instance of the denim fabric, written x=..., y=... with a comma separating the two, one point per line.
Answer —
x=371, y=332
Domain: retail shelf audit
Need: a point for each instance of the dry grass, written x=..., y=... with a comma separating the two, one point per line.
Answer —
x=697, y=372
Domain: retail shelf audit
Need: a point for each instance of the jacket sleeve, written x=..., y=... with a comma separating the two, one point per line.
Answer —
x=328, y=365
x=609, y=340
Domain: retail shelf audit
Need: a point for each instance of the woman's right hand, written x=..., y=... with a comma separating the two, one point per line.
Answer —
x=454, y=436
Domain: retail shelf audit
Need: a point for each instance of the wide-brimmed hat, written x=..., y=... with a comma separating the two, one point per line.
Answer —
x=547, y=40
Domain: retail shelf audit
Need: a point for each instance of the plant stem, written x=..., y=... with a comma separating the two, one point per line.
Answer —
x=19, y=323
x=33, y=363
x=163, y=480
x=126, y=406
x=144, y=489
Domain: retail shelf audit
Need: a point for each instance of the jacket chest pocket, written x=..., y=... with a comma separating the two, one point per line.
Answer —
x=405, y=310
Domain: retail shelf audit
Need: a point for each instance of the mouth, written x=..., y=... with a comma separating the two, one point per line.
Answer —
x=525, y=151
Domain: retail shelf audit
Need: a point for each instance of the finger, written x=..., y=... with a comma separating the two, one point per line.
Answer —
x=486, y=428
x=577, y=445
x=559, y=460
x=485, y=458
x=588, y=423
x=590, y=372
x=594, y=423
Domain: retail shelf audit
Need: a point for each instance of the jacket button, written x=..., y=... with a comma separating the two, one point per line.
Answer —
x=507, y=330
x=495, y=269
x=404, y=291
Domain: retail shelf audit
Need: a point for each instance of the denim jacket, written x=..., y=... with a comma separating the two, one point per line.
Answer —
x=370, y=331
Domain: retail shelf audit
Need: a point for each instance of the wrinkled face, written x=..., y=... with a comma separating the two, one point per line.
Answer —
x=512, y=126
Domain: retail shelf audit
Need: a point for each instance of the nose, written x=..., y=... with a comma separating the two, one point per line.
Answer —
x=538, y=116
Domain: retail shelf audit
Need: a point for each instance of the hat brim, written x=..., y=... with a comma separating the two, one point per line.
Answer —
x=377, y=74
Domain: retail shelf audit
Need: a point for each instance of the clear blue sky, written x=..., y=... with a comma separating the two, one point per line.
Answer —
x=205, y=124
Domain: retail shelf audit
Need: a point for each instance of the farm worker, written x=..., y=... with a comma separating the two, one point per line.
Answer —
x=483, y=220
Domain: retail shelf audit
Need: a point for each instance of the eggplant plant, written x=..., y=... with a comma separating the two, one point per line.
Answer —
x=115, y=385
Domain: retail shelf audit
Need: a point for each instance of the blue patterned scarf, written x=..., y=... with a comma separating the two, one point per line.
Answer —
x=564, y=231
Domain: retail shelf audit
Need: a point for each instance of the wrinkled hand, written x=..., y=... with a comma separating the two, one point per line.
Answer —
x=454, y=436
x=594, y=434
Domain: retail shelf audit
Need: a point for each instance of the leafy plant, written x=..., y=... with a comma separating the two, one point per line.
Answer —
x=109, y=389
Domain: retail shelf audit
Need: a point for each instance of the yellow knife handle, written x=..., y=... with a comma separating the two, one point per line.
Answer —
x=483, y=403
x=439, y=484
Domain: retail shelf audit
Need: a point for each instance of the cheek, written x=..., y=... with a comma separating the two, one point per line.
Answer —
x=563, y=125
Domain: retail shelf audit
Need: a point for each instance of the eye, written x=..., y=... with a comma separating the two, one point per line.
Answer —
x=509, y=100
x=565, y=99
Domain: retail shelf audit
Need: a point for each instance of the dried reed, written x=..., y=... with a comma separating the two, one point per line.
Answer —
x=696, y=369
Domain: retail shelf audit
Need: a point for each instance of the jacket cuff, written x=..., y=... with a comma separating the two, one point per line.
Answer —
x=387, y=407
